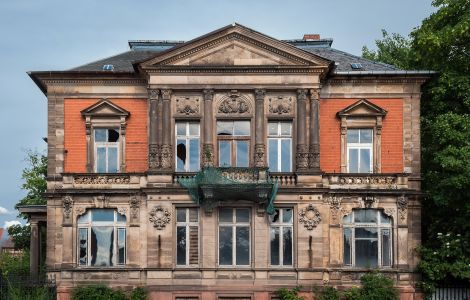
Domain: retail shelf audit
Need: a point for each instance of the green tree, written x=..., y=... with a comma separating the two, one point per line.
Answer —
x=441, y=43
x=21, y=236
x=34, y=176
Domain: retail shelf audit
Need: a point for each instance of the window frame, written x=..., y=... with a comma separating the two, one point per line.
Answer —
x=187, y=224
x=187, y=137
x=117, y=225
x=360, y=146
x=233, y=225
x=352, y=226
x=279, y=138
x=281, y=225
x=106, y=145
x=233, y=139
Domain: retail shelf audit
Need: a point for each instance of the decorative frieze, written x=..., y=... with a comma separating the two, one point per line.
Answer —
x=280, y=105
x=369, y=180
x=160, y=217
x=188, y=106
x=101, y=179
x=310, y=217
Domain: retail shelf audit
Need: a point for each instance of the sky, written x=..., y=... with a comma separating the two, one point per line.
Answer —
x=40, y=35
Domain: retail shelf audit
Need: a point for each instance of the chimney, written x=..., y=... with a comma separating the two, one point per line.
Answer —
x=311, y=37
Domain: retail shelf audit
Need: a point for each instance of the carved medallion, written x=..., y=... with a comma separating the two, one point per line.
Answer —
x=234, y=103
x=310, y=217
x=160, y=217
x=67, y=203
x=280, y=105
x=188, y=105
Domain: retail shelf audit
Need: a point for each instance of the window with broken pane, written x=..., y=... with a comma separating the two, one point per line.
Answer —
x=187, y=236
x=101, y=238
x=367, y=239
x=187, y=147
x=281, y=235
x=106, y=147
x=234, y=236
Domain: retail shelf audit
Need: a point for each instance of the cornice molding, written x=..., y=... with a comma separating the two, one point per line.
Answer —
x=374, y=80
x=112, y=82
x=231, y=70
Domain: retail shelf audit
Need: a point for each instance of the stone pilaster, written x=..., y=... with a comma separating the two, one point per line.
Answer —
x=302, y=147
x=260, y=147
x=166, y=149
x=208, y=148
x=154, y=155
x=314, y=151
x=34, y=249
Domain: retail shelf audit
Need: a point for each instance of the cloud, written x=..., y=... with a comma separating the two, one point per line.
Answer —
x=4, y=211
x=10, y=223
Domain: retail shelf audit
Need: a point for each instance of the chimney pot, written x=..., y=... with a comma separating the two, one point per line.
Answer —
x=311, y=36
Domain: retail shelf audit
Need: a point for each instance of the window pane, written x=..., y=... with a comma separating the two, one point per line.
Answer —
x=347, y=219
x=83, y=245
x=181, y=129
x=193, y=128
x=384, y=219
x=366, y=253
x=353, y=161
x=274, y=218
x=181, y=245
x=101, y=160
x=181, y=215
x=386, y=257
x=287, y=245
x=180, y=155
x=347, y=246
x=193, y=155
x=243, y=216
x=102, y=246
x=286, y=129
x=193, y=245
x=273, y=128
x=113, y=135
x=224, y=128
x=121, y=246
x=226, y=215
x=366, y=232
x=365, y=161
x=225, y=245
x=287, y=215
x=100, y=135
x=193, y=216
x=286, y=151
x=102, y=215
x=243, y=245
x=366, y=136
x=120, y=218
x=365, y=216
x=85, y=218
x=273, y=155
x=225, y=154
x=242, y=153
x=242, y=127
x=112, y=159
x=353, y=135
x=275, y=260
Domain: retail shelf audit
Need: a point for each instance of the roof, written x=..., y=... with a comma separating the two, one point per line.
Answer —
x=5, y=240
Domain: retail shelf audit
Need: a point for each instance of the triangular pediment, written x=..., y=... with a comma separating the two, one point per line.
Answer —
x=361, y=108
x=104, y=108
x=235, y=45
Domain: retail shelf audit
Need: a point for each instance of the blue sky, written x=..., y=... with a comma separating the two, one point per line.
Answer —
x=57, y=35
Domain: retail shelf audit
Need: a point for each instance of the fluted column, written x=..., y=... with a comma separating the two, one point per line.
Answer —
x=208, y=146
x=154, y=155
x=314, y=151
x=166, y=149
x=260, y=147
x=302, y=147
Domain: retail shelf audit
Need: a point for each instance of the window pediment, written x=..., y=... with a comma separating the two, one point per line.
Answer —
x=105, y=108
x=362, y=108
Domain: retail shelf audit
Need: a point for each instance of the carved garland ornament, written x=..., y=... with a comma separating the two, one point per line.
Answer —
x=68, y=203
x=234, y=104
x=310, y=217
x=101, y=179
x=160, y=217
x=280, y=105
x=377, y=180
x=187, y=106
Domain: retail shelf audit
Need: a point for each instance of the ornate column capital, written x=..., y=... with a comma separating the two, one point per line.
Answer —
x=315, y=94
x=259, y=94
x=153, y=94
x=208, y=94
x=302, y=94
x=166, y=94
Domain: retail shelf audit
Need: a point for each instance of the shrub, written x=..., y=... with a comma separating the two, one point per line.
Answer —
x=97, y=292
x=329, y=293
x=353, y=293
x=286, y=294
x=376, y=286
x=139, y=293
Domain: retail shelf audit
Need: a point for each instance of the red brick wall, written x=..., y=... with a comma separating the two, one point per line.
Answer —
x=75, y=139
x=392, y=134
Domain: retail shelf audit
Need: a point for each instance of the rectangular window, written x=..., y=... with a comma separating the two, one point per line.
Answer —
x=234, y=236
x=234, y=143
x=187, y=236
x=281, y=234
x=360, y=150
x=280, y=146
x=106, y=145
x=187, y=147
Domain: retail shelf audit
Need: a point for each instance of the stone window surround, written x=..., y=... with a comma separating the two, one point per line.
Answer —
x=362, y=114
x=282, y=225
x=187, y=225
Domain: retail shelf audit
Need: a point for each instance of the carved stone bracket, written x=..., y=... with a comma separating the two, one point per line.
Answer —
x=160, y=217
x=402, y=204
x=335, y=208
x=368, y=201
x=122, y=210
x=101, y=201
x=67, y=204
x=260, y=150
x=188, y=106
x=80, y=210
x=134, y=205
x=280, y=105
x=310, y=217
x=390, y=212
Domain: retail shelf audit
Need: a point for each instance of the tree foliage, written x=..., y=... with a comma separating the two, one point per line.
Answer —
x=21, y=236
x=442, y=44
x=34, y=176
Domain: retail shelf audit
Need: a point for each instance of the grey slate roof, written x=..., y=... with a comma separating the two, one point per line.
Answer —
x=123, y=62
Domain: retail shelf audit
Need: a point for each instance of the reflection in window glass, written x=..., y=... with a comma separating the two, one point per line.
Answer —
x=234, y=236
x=106, y=144
x=225, y=154
x=187, y=147
x=187, y=236
x=234, y=143
x=359, y=150
x=225, y=245
x=281, y=223
x=280, y=146
x=121, y=246
x=83, y=246
x=242, y=154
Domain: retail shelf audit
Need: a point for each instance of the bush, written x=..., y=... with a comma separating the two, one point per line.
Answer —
x=329, y=293
x=97, y=292
x=139, y=293
x=353, y=293
x=286, y=294
x=376, y=286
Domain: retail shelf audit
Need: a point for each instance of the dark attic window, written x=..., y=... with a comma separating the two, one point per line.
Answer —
x=356, y=66
x=108, y=67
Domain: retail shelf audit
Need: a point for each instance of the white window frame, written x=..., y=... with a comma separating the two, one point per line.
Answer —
x=187, y=224
x=106, y=145
x=379, y=226
x=360, y=146
x=234, y=225
x=281, y=225
x=117, y=225
x=187, y=137
x=279, y=138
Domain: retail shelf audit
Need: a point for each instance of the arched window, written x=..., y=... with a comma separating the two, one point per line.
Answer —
x=101, y=238
x=367, y=236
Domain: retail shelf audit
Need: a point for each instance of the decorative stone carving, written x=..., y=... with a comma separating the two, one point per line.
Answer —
x=368, y=201
x=402, y=204
x=335, y=208
x=160, y=217
x=166, y=157
x=314, y=156
x=208, y=155
x=80, y=210
x=154, y=157
x=302, y=157
x=153, y=94
x=371, y=180
x=234, y=103
x=280, y=105
x=101, y=179
x=390, y=212
x=260, y=150
x=188, y=105
x=134, y=205
x=166, y=94
x=310, y=217
x=68, y=204
x=101, y=201
x=122, y=210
